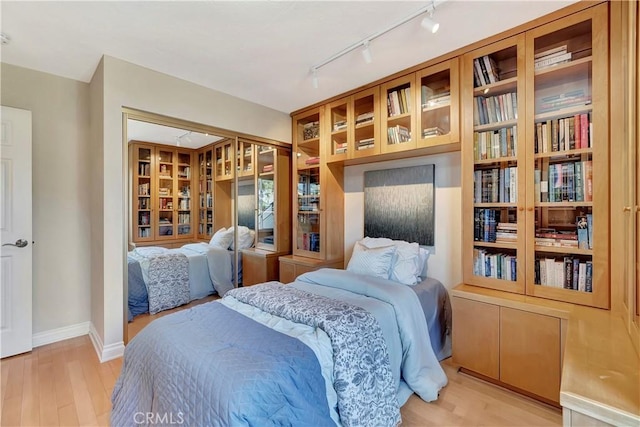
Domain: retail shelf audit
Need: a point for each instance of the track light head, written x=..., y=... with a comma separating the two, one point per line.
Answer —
x=366, y=52
x=314, y=81
x=430, y=24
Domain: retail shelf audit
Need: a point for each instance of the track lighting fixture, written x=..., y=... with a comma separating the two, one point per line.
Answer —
x=4, y=38
x=366, y=52
x=427, y=22
x=186, y=138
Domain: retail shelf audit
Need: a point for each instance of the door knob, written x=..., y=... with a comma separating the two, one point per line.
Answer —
x=20, y=243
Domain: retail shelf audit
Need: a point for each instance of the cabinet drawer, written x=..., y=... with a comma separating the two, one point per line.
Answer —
x=287, y=272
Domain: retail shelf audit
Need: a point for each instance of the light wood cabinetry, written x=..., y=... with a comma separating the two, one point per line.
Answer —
x=259, y=266
x=205, y=193
x=163, y=188
x=318, y=198
x=398, y=130
x=438, y=104
x=516, y=345
x=535, y=148
x=291, y=266
x=224, y=160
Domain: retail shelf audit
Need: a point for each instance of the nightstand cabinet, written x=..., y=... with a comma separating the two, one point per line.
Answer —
x=292, y=266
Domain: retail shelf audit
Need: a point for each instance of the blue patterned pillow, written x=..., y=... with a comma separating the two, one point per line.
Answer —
x=371, y=261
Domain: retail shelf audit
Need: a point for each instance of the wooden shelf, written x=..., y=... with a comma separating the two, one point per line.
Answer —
x=563, y=250
x=496, y=160
x=500, y=245
x=494, y=126
x=566, y=153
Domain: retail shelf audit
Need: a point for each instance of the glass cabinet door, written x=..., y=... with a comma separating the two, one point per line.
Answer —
x=165, y=202
x=143, y=189
x=184, y=192
x=265, y=204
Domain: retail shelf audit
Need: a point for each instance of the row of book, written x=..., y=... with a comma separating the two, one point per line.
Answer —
x=553, y=237
x=432, y=131
x=144, y=218
x=184, y=218
x=485, y=71
x=184, y=173
x=144, y=232
x=144, y=203
x=184, y=204
x=495, y=265
x=144, y=169
x=566, y=272
x=340, y=147
x=309, y=242
x=315, y=160
x=569, y=133
x=496, y=185
x=495, y=109
x=364, y=118
x=339, y=125
x=144, y=189
x=165, y=204
x=559, y=101
x=205, y=229
x=398, y=134
x=549, y=57
x=399, y=101
x=564, y=182
x=495, y=144
x=267, y=168
x=208, y=215
x=487, y=225
x=365, y=144
x=206, y=201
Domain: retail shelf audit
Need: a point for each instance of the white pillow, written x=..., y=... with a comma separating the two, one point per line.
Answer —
x=371, y=261
x=424, y=257
x=406, y=265
x=222, y=238
x=246, y=237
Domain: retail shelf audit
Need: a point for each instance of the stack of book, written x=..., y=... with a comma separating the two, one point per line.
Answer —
x=311, y=130
x=552, y=237
x=340, y=147
x=485, y=71
x=267, y=168
x=485, y=221
x=496, y=185
x=366, y=143
x=559, y=101
x=549, y=57
x=398, y=134
x=564, y=182
x=433, y=131
x=312, y=161
x=431, y=99
x=364, y=118
x=143, y=189
x=144, y=169
x=339, y=125
x=507, y=232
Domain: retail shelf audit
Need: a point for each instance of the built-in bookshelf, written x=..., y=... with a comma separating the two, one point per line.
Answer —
x=318, y=197
x=163, y=193
x=537, y=155
x=225, y=164
x=205, y=193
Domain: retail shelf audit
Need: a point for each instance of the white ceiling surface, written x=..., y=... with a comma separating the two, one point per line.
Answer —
x=159, y=134
x=260, y=51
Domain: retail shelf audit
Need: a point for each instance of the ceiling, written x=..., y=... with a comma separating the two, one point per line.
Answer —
x=160, y=134
x=261, y=51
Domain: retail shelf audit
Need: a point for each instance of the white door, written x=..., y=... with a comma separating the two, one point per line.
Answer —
x=15, y=232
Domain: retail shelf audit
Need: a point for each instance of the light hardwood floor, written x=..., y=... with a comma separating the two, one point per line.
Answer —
x=65, y=384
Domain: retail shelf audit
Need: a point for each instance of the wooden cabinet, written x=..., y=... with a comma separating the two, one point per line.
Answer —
x=291, y=266
x=520, y=348
x=163, y=188
x=398, y=131
x=273, y=199
x=536, y=163
x=205, y=193
x=259, y=266
x=224, y=160
x=438, y=104
x=318, y=198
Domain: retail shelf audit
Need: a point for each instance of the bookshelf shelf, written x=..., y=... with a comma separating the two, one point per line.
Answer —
x=564, y=112
x=494, y=126
x=495, y=160
x=563, y=250
x=495, y=205
x=501, y=245
x=563, y=204
x=566, y=154
x=567, y=69
x=498, y=87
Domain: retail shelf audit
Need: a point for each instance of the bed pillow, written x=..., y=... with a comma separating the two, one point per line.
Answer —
x=222, y=238
x=406, y=265
x=371, y=261
x=246, y=237
x=424, y=257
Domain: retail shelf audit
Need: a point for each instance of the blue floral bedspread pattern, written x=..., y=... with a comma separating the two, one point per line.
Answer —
x=363, y=379
x=168, y=285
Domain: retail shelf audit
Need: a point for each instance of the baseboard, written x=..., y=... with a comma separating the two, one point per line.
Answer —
x=105, y=353
x=59, y=334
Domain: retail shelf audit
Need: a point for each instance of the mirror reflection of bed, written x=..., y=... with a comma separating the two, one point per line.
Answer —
x=197, y=200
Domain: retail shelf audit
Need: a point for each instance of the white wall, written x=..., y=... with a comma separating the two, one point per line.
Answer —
x=445, y=261
x=61, y=193
x=129, y=85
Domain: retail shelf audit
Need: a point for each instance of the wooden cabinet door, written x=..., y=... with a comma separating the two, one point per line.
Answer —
x=287, y=272
x=530, y=352
x=476, y=336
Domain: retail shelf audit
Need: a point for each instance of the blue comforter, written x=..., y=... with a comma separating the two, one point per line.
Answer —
x=185, y=363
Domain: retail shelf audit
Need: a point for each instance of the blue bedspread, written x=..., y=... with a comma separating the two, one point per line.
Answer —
x=191, y=366
x=138, y=297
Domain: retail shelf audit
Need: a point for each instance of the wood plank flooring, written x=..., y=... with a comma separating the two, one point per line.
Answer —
x=64, y=384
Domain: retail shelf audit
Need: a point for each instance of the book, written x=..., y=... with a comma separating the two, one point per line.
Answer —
x=590, y=229
x=582, y=232
x=589, y=277
x=559, y=49
x=551, y=60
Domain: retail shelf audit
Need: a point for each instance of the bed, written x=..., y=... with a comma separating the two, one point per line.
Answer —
x=335, y=347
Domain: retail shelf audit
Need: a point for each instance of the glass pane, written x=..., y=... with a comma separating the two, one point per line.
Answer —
x=266, y=195
x=308, y=226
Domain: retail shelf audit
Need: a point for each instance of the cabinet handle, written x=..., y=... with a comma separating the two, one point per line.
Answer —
x=627, y=209
x=530, y=209
x=521, y=208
